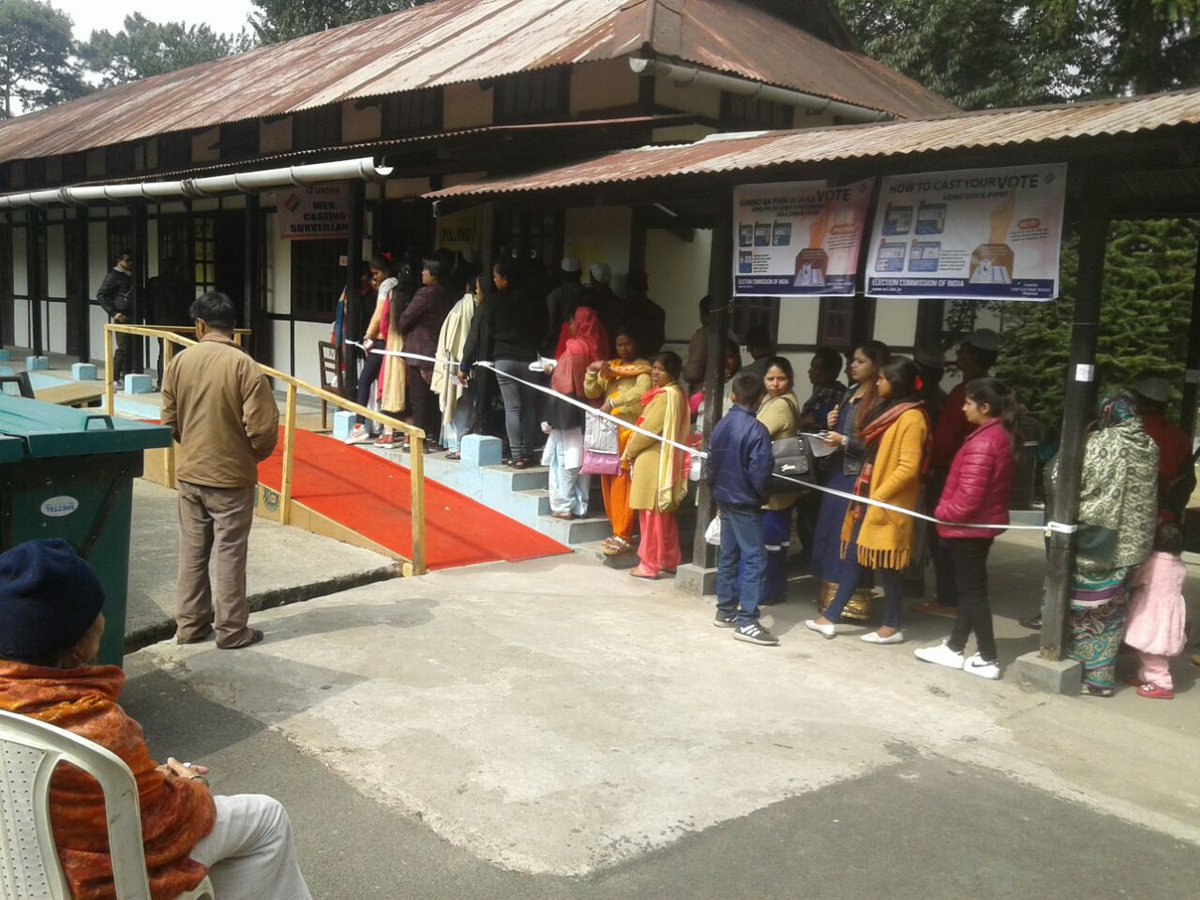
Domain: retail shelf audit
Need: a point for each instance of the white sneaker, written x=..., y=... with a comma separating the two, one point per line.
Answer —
x=358, y=435
x=940, y=655
x=977, y=665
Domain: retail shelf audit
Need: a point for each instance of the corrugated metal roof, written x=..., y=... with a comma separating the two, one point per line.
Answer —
x=739, y=153
x=456, y=41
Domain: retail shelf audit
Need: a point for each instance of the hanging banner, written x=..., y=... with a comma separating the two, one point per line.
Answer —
x=798, y=238
x=316, y=211
x=989, y=234
x=459, y=231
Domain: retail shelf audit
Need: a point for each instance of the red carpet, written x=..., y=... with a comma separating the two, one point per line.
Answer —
x=370, y=495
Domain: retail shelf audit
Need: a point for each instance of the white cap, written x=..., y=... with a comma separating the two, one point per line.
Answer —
x=1152, y=388
x=984, y=339
x=600, y=272
x=570, y=264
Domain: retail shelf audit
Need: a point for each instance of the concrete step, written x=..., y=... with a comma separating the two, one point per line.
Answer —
x=575, y=531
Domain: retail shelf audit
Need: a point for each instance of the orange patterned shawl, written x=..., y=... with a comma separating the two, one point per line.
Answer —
x=176, y=813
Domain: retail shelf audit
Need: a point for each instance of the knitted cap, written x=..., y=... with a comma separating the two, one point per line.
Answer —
x=49, y=598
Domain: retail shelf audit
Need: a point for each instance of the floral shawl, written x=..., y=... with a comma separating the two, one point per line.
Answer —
x=176, y=812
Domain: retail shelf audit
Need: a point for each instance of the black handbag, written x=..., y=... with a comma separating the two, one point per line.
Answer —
x=792, y=460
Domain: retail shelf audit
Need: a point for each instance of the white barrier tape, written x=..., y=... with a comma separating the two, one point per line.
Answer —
x=867, y=501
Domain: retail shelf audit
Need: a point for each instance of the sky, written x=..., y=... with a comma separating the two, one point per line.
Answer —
x=91, y=15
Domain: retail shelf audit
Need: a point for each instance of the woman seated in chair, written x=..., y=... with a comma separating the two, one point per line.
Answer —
x=50, y=627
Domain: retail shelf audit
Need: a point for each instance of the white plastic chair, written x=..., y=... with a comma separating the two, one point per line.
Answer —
x=29, y=864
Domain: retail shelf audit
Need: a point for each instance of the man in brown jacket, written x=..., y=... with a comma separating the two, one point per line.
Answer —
x=224, y=417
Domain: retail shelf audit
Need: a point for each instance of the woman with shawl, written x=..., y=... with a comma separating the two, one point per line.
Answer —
x=563, y=453
x=659, y=468
x=1118, y=511
x=895, y=438
x=453, y=397
x=621, y=382
x=50, y=628
x=393, y=382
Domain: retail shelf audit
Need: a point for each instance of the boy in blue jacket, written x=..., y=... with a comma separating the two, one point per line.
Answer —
x=739, y=467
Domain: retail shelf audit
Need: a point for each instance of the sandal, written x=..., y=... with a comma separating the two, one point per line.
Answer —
x=387, y=440
x=520, y=464
x=615, y=546
x=453, y=454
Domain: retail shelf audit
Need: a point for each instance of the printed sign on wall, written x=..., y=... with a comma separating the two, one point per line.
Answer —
x=459, y=231
x=315, y=211
x=799, y=238
x=975, y=234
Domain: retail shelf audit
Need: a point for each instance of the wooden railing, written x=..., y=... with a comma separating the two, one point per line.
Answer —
x=174, y=336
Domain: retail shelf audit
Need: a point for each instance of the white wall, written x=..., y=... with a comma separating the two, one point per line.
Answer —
x=599, y=234
x=798, y=318
x=896, y=323
x=56, y=330
x=21, y=329
x=281, y=339
x=307, y=364
x=98, y=266
x=678, y=273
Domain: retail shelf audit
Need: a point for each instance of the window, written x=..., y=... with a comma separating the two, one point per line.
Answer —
x=173, y=258
x=317, y=278
x=174, y=150
x=74, y=168
x=531, y=238
x=413, y=112
x=35, y=172
x=844, y=322
x=316, y=128
x=118, y=160
x=204, y=253
x=238, y=140
x=751, y=312
x=120, y=238
x=749, y=112
x=533, y=96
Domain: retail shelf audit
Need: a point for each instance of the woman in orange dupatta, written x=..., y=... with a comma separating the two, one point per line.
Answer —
x=659, y=468
x=50, y=627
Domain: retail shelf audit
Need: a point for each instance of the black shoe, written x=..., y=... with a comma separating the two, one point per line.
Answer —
x=753, y=633
x=1034, y=623
x=725, y=620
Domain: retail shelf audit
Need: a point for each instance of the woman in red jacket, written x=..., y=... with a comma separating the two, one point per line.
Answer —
x=976, y=491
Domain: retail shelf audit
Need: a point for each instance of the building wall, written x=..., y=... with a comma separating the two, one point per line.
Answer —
x=678, y=272
x=599, y=235
x=602, y=85
x=466, y=105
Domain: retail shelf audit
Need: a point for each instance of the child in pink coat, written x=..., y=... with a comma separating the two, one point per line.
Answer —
x=1157, y=612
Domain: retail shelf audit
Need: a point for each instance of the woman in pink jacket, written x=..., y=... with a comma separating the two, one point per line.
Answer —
x=976, y=491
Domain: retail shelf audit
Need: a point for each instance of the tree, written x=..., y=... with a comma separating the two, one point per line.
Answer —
x=144, y=48
x=274, y=21
x=37, y=67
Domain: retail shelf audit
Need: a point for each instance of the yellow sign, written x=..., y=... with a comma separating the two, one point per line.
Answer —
x=459, y=231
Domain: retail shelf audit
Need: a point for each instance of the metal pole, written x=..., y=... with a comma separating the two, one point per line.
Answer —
x=720, y=296
x=1191, y=383
x=1079, y=405
x=352, y=324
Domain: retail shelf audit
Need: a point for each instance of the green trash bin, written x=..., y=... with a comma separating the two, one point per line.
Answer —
x=68, y=473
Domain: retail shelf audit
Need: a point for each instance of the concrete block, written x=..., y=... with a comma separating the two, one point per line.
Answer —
x=697, y=580
x=83, y=372
x=33, y=363
x=5, y=356
x=6, y=370
x=138, y=384
x=343, y=421
x=1055, y=676
x=480, y=450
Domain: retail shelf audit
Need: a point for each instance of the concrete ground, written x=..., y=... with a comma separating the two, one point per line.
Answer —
x=558, y=729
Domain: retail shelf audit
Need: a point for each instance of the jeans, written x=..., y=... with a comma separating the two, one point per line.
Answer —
x=366, y=379
x=741, y=542
x=943, y=561
x=848, y=574
x=520, y=408
x=974, y=613
x=776, y=535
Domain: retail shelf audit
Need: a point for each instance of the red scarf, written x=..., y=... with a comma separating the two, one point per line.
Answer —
x=588, y=344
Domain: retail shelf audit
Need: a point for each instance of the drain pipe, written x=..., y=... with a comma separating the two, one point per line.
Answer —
x=686, y=76
x=364, y=169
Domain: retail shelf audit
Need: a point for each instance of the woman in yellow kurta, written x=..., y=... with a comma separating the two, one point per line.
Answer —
x=622, y=382
x=874, y=538
x=780, y=413
x=659, y=469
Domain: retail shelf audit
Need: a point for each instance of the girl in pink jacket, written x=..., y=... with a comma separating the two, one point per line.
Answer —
x=976, y=492
x=1157, y=614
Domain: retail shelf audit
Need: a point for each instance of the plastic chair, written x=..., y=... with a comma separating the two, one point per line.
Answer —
x=29, y=864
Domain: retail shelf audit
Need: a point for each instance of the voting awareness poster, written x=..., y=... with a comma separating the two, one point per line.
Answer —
x=799, y=238
x=316, y=211
x=989, y=234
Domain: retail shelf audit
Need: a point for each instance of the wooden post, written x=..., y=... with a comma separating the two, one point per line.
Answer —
x=169, y=473
x=289, y=453
x=720, y=296
x=1079, y=410
x=352, y=324
x=139, y=345
x=1191, y=382
x=416, y=476
x=108, y=370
